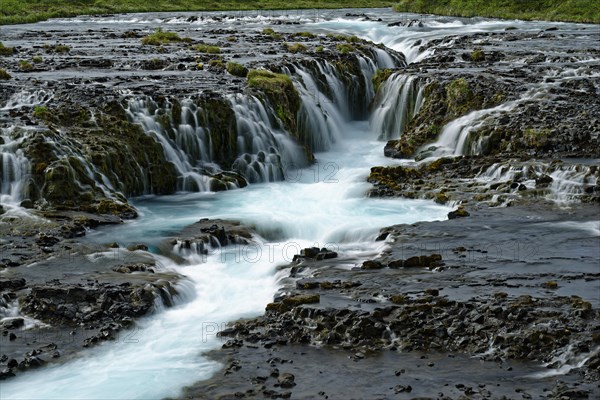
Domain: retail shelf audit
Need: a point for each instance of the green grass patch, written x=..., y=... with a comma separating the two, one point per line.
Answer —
x=6, y=51
x=307, y=35
x=550, y=10
x=27, y=11
x=381, y=75
x=57, y=48
x=4, y=75
x=296, y=47
x=237, y=69
x=25, y=65
x=206, y=48
x=160, y=37
x=345, y=48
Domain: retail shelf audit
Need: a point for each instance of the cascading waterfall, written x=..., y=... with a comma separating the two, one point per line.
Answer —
x=567, y=182
x=189, y=146
x=398, y=100
x=14, y=170
x=266, y=151
x=570, y=182
x=27, y=98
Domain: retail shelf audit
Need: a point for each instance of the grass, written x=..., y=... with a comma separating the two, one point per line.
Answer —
x=267, y=80
x=27, y=11
x=160, y=37
x=205, y=48
x=6, y=51
x=550, y=10
x=4, y=75
x=237, y=69
x=296, y=47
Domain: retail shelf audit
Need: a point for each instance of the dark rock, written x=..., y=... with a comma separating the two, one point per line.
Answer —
x=286, y=380
x=460, y=212
x=371, y=264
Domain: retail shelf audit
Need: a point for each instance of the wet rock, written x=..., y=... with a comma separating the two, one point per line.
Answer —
x=286, y=380
x=460, y=212
x=12, y=284
x=371, y=264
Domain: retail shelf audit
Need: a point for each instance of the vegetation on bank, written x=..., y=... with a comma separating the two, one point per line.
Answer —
x=549, y=10
x=20, y=11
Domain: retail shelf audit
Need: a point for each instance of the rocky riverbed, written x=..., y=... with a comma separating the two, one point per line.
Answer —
x=502, y=126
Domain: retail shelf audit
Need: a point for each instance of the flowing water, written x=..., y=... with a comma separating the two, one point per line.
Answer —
x=321, y=205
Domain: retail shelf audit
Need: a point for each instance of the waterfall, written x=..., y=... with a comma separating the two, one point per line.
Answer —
x=559, y=182
x=186, y=144
x=266, y=152
x=398, y=100
x=571, y=182
x=14, y=170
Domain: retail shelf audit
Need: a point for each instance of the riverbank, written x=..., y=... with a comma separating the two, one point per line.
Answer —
x=501, y=303
x=542, y=10
x=18, y=12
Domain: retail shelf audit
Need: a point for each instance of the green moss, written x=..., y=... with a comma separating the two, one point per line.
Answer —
x=436, y=165
x=381, y=75
x=537, y=138
x=393, y=177
x=270, y=32
x=345, y=48
x=280, y=92
x=160, y=37
x=477, y=55
x=205, y=48
x=37, y=60
x=4, y=75
x=564, y=10
x=217, y=63
x=320, y=49
x=57, y=48
x=6, y=51
x=237, y=69
x=305, y=35
x=25, y=65
x=294, y=301
x=459, y=97
x=296, y=48
x=42, y=113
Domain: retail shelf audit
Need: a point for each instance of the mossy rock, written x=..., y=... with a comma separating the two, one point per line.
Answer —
x=380, y=77
x=280, y=92
x=296, y=47
x=237, y=69
x=392, y=177
x=4, y=75
x=5, y=50
x=460, y=212
x=477, y=55
x=294, y=301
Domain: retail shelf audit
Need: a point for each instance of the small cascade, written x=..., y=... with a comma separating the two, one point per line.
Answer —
x=571, y=182
x=14, y=170
x=568, y=359
x=398, y=101
x=27, y=98
x=526, y=174
x=266, y=151
x=186, y=145
x=320, y=116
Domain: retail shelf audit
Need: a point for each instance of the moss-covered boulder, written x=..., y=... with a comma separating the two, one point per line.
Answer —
x=280, y=92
